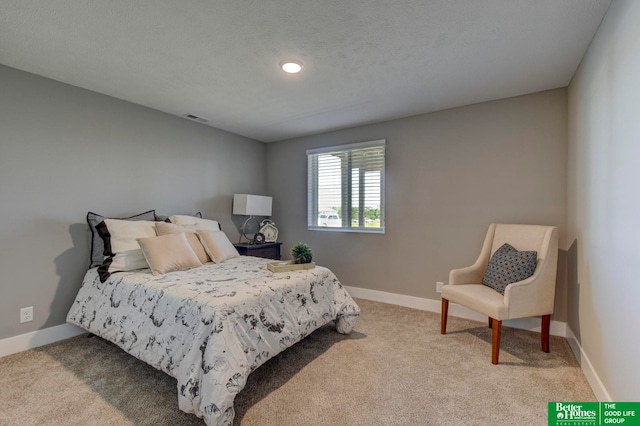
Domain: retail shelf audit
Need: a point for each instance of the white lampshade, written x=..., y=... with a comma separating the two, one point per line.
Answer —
x=251, y=205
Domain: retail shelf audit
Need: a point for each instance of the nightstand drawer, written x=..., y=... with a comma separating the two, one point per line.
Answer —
x=266, y=250
x=269, y=253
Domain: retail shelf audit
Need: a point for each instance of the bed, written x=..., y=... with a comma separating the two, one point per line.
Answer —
x=211, y=326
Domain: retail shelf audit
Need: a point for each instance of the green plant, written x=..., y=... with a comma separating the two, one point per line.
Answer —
x=301, y=253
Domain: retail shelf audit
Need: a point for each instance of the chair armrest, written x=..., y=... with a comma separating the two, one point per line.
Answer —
x=536, y=295
x=533, y=296
x=469, y=275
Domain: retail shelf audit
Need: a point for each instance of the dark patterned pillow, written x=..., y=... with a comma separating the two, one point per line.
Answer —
x=508, y=265
x=97, y=246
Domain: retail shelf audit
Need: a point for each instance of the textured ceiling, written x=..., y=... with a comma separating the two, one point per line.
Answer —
x=364, y=60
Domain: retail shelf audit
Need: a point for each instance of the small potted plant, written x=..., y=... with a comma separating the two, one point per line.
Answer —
x=301, y=253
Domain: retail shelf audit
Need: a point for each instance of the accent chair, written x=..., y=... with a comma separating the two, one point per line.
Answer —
x=532, y=296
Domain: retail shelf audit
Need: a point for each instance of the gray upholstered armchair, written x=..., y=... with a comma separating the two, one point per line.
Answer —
x=533, y=296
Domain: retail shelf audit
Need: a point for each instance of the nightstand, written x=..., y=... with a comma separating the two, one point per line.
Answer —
x=266, y=250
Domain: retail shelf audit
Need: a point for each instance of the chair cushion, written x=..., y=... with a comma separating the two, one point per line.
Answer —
x=479, y=298
x=508, y=265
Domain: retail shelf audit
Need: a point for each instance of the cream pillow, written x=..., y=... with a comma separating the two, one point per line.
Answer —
x=122, y=250
x=217, y=245
x=163, y=228
x=168, y=253
x=195, y=222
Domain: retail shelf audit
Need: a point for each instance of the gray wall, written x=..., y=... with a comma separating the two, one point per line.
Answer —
x=603, y=201
x=449, y=174
x=65, y=151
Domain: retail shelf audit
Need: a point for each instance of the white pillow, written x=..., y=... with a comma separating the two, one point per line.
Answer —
x=168, y=253
x=121, y=245
x=217, y=245
x=195, y=222
x=163, y=228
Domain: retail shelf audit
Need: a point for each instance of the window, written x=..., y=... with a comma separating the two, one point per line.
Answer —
x=346, y=187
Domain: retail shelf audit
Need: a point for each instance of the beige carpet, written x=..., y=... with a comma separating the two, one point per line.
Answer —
x=394, y=369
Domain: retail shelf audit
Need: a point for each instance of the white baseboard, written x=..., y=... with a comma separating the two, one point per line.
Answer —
x=37, y=338
x=557, y=328
x=590, y=373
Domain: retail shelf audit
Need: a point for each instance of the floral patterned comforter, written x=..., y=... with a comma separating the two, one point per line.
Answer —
x=211, y=326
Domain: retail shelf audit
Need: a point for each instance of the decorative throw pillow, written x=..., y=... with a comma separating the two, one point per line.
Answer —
x=121, y=246
x=185, y=220
x=163, y=228
x=508, y=265
x=168, y=253
x=217, y=245
x=97, y=247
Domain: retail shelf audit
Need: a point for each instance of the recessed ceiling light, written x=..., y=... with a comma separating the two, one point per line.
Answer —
x=291, y=66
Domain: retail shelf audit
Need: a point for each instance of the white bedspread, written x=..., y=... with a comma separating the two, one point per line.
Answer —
x=209, y=327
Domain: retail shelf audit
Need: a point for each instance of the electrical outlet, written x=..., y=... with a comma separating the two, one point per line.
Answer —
x=26, y=314
x=439, y=285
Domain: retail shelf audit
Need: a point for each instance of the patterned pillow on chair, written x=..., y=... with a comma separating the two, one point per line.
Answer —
x=508, y=265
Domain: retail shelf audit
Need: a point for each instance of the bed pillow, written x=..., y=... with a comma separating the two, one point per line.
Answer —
x=217, y=245
x=163, y=228
x=508, y=265
x=161, y=218
x=209, y=225
x=168, y=253
x=121, y=246
x=97, y=247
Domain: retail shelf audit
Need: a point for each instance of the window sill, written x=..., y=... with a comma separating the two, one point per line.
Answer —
x=336, y=229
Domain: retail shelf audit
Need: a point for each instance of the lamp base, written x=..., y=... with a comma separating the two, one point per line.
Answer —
x=243, y=230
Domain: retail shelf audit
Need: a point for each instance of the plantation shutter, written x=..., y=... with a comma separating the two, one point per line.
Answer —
x=346, y=187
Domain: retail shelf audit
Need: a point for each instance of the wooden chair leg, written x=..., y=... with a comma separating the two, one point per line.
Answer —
x=490, y=322
x=495, y=346
x=443, y=316
x=544, y=335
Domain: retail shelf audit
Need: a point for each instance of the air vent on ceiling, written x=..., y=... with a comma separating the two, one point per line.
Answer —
x=196, y=118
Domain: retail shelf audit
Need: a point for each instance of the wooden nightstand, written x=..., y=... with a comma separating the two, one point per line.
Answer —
x=266, y=250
